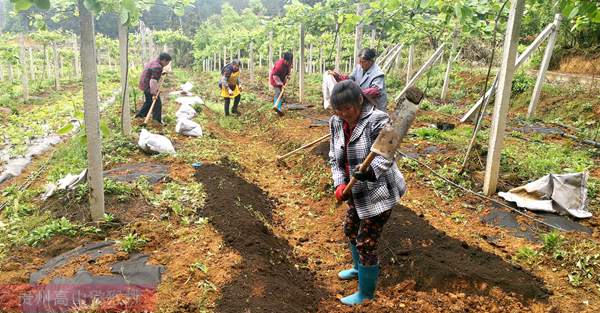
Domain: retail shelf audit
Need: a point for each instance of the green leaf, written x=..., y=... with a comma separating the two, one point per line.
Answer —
x=42, y=4
x=65, y=129
x=104, y=129
x=22, y=5
x=92, y=5
x=124, y=17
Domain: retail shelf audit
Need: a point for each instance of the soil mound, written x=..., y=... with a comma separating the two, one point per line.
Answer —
x=268, y=280
x=412, y=249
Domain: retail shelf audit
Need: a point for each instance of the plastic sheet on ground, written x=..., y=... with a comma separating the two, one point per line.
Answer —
x=556, y=193
x=328, y=83
x=188, y=128
x=129, y=277
x=150, y=142
x=185, y=111
x=67, y=182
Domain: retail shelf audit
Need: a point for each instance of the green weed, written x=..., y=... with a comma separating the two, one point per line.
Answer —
x=131, y=243
x=527, y=255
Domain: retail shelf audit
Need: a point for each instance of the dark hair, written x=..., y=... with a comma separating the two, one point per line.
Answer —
x=164, y=57
x=345, y=93
x=367, y=54
x=288, y=56
x=236, y=62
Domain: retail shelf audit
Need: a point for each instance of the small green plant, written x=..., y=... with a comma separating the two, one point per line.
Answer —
x=131, y=243
x=123, y=191
x=428, y=133
x=457, y=217
x=108, y=218
x=552, y=241
x=199, y=266
x=521, y=82
x=57, y=227
x=527, y=255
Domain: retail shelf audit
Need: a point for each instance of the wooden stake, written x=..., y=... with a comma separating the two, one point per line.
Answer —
x=505, y=77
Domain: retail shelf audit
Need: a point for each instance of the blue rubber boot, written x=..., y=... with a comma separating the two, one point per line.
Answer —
x=351, y=273
x=367, y=280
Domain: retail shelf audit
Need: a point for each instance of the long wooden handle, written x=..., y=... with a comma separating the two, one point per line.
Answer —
x=154, y=100
x=363, y=167
x=151, y=107
x=308, y=145
x=280, y=95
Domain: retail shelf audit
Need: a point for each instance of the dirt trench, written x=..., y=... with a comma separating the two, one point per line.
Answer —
x=270, y=279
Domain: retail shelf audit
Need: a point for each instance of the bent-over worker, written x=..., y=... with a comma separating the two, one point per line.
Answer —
x=231, y=86
x=278, y=78
x=149, y=78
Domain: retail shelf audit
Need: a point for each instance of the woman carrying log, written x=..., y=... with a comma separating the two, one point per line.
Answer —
x=354, y=128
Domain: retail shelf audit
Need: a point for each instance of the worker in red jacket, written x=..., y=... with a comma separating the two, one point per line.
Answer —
x=278, y=78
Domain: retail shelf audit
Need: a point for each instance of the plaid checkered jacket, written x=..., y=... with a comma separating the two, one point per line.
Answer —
x=369, y=198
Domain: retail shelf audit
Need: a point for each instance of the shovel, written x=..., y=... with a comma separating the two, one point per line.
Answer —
x=390, y=137
x=153, y=102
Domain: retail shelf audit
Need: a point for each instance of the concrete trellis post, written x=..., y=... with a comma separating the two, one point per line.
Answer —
x=270, y=49
x=47, y=63
x=310, y=59
x=321, y=64
x=520, y=60
x=505, y=77
x=251, y=61
x=373, y=38
x=56, y=67
x=449, y=68
x=1, y=72
x=301, y=67
x=409, y=63
x=31, y=63
x=358, y=32
x=23, y=63
x=338, y=50
x=76, y=64
x=11, y=73
x=544, y=67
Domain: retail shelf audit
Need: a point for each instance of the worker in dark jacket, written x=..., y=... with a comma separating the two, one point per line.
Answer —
x=231, y=86
x=278, y=78
x=149, y=85
x=369, y=77
x=354, y=128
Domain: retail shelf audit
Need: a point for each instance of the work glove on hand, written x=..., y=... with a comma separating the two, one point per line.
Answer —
x=339, y=193
x=368, y=175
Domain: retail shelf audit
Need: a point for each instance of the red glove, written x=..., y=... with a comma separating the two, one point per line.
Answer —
x=372, y=92
x=339, y=193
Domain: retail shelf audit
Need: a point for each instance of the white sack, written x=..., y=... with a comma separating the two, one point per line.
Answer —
x=185, y=112
x=556, y=193
x=155, y=143
x=187, y=87
x=189, y=100
x=188, y=128
x=328, y=83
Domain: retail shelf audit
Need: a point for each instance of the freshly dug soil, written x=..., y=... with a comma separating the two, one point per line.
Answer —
x=268, y=280
x=412, y=249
